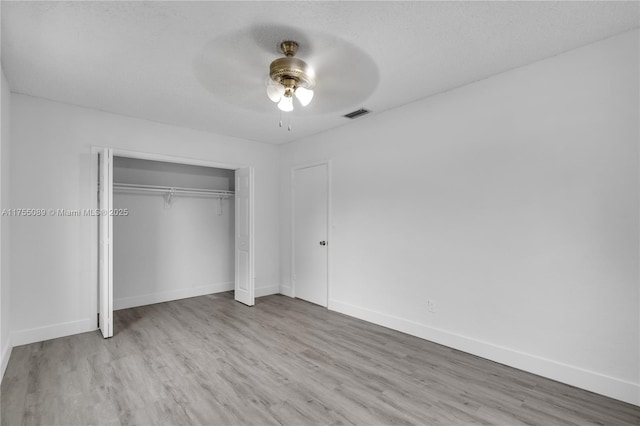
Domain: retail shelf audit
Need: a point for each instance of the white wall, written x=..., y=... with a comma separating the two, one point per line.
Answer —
x=167, y=252
x=512, y=203
x=54, y=288
x=5, y=231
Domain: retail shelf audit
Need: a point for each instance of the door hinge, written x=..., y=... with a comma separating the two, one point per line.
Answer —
x=98, y=319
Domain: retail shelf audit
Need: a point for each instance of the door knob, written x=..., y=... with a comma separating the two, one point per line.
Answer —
x=323, y=243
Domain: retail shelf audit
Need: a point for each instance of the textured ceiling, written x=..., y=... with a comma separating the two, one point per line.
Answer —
x=203, y=64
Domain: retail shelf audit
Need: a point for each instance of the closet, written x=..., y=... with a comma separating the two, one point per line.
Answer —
x=173, y=231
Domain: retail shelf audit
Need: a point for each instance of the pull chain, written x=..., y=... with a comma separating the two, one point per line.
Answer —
x=280, y=123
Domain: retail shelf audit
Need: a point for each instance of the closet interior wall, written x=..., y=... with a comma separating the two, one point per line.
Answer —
x=168, y=248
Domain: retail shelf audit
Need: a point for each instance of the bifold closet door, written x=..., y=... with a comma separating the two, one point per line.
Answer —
x=244, y=275
x=105, y=250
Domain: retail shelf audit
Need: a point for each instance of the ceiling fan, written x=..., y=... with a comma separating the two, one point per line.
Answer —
x=326, y=73
x=290, y=77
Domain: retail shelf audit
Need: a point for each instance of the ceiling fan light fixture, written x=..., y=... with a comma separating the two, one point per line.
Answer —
x=286, y=104
x=304, y=95
x=275, y=92
x=290, y=76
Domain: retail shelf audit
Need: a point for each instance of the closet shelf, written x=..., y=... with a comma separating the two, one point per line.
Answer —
x=170, y=190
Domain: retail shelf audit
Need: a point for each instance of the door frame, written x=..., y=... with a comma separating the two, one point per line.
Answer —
x=292, y=223
x=95, y=307
x=105, y=243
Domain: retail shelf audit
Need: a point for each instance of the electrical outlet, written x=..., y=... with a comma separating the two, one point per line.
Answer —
x=431, y=306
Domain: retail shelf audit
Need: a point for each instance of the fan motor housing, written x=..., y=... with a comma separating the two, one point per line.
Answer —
x=292, y=68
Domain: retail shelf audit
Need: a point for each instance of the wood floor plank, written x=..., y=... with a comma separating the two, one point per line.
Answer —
x=212, y=361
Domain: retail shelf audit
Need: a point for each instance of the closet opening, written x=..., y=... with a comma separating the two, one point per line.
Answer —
x=174, y=230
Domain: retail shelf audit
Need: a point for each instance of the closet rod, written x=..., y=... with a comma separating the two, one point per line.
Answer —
x=123, y=187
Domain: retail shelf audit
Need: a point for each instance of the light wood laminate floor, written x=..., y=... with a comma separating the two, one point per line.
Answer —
x=211, y=361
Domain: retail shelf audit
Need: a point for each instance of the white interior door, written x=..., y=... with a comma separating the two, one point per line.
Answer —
x=310, y=233
x=105, y=229
x=244, y=279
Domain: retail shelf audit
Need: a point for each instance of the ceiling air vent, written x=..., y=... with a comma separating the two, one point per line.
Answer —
x=357, y=113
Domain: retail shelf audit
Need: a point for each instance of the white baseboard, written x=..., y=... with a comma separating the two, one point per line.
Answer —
x=267, y=290
x=39, y=334
x=575, y=376
x=286, y=290
x=167, y=296
x=4, y=358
